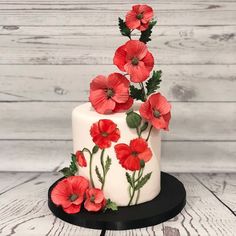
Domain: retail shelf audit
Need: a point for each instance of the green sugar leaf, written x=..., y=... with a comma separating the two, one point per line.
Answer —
x=129, y=179
x=136, y=93
x=73, y=166
x=146, y=34
x=125, y=31
x=98, y=175
x=107, y=164
x=143, y=181
x=154, y=82
x=66, y=172
x=110, y=205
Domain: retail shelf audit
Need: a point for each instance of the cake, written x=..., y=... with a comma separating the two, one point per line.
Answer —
x=117, y=134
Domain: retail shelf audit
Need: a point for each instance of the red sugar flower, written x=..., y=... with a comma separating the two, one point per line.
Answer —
x=130, y=155
x=69, y=193
x=134, y=58
x=104, y=132
x=110, y=94
x=139, y=17
x=157, y=111
x=95, y=200
x=81, y=159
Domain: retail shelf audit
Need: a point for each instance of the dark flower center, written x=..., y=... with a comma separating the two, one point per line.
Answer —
x=104, y=134
x=156, y=113
x=110, y=93
x=73, y=197
x=134, y=153
x=139, y=16
x=134, y=61
x=92, y=198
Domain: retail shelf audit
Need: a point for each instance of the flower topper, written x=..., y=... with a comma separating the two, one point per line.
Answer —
x=116, y=93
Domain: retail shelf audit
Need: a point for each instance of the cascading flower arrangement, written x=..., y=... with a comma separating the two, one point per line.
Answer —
x=116, y=93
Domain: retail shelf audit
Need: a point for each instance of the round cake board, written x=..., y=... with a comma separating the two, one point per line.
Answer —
x=165, y=206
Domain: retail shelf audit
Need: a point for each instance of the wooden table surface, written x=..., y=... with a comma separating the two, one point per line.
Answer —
x=210, y=208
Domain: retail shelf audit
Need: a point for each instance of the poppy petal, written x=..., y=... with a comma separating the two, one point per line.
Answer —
x=72, y=209
x=131, y=163
x=138, y=145
x=99, y=82
x=146, y=155
x=131, y=20
x=138, y=73
x=148, y=61
x=100, y=102
x=124, y=106
x=136, y=48
x=106, y=125
x=120, y=57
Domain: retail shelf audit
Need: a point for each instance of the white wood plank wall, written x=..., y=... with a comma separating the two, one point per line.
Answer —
x=50, y=50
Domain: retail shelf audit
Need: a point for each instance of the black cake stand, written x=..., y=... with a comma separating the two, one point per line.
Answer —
x=166, y=205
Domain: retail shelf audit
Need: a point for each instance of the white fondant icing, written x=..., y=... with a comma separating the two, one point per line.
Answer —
x=116, y=185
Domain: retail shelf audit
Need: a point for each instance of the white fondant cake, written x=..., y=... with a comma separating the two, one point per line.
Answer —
x=116, y=187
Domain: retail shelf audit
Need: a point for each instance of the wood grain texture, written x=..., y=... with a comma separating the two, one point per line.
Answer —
x=104, y=12
x=50, y=120
x=28, y=214
x=96, y=45
x=222, y=185
x=24, y=209
x=203, y=215
x=71, y=82
x=33, y=155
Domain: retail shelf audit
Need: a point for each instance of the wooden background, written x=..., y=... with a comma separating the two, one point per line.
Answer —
x=50, y=50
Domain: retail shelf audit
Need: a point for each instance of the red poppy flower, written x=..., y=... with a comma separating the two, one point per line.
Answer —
x=157, y=111
x=134, y=58
x=104, y=132
x=139, y=17
x=69, y=193
x=95, y=200
x=130, y=155
x=110, y=94
x=81, y=159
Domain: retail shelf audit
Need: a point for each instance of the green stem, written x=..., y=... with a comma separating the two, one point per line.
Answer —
x=138, y=132
x=103, y=168
x=90, y=170
x=133, y=189
x=140, y=174
x=90, y=164
x=137, y=198
x=149, y=133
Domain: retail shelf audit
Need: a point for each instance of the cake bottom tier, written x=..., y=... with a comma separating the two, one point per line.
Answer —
x=116, y=186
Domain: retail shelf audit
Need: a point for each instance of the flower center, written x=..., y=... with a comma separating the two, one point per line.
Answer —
x=110, y=93
x=134, y=153
x=104, y=134
x=92, y=198
x=134, y=61
x=156, y=113
x=73, y=197
x=139, y=16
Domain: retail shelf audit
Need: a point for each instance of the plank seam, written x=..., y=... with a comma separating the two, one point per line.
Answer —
x=26, y=181
x=212, y=192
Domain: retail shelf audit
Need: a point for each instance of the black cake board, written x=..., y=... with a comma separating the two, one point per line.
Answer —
x=165, y=206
